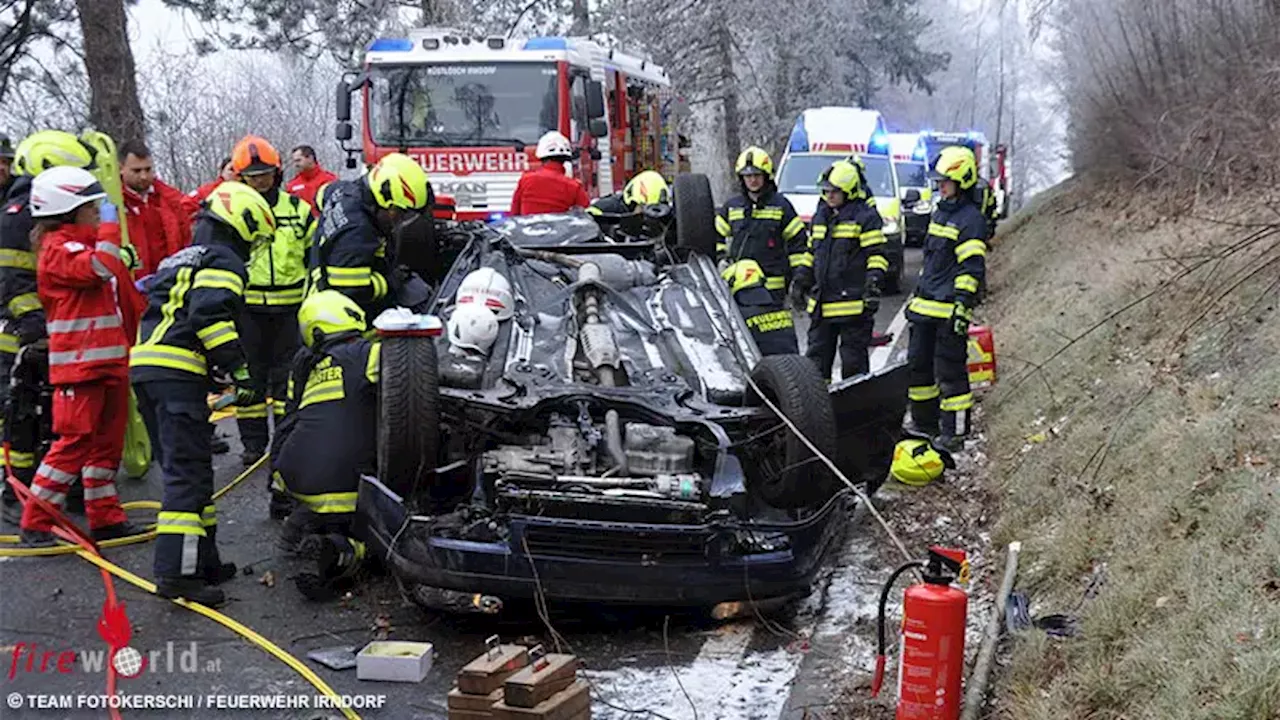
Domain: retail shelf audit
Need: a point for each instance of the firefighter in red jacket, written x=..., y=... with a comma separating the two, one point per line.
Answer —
x=88, y=355
x=548, y=189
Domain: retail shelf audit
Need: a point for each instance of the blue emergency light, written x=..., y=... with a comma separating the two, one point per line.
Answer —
x=391, y=45
x=497, y=216
x=799, y=140
x=546, y=43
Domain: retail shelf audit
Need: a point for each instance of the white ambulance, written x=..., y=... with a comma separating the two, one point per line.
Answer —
x=824, y=135
x=910, y=164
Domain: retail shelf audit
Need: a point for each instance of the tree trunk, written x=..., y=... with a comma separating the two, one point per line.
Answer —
x=114, y=108
x=436, y=12
x=729, y=85
x=581, y=19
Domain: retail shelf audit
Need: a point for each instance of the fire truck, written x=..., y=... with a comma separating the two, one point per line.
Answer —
x=993, y=168
x=471, y=110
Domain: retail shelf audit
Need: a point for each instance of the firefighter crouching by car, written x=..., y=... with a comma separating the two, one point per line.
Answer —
x=641, y=210
x=547, y=189
x=24, y=320
x=773, y=328
x=188, y=331
x=328, y=438
x=88, y=355
x=760, y=224
x=277, y=275
x=942, y=307
x=350, y=253
x=848, y=267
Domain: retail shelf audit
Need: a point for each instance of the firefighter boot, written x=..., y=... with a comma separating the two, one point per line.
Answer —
x=953, y=428
x=220, y=573
x=282, y=505
x=118, y=530
x=338, y=561
x=193, y=589
x=297, y=526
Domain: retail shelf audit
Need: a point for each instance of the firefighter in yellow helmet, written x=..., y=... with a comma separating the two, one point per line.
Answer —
x=329, y=436
x=942, y=307
x=760, y=224
x=188, y=335
x=352, y=251
x=642, y=209
x=847, y=245
x=772, y=327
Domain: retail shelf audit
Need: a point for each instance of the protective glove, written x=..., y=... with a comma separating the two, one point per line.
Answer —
x=801, y=284
x=107, y=212
x=129, y=255
x=30, y=328
x=961, y=316
x=246, y=394
x=871, y=296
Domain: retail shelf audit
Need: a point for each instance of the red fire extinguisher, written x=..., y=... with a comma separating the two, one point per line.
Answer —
x=931, y=654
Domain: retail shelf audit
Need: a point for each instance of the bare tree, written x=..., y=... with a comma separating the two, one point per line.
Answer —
x=115, y=108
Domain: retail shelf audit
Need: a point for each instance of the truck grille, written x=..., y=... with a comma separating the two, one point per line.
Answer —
x=637, y=546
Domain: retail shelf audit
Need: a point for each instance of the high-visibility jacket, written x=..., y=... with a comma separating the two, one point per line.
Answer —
x=848, y=250
x=954, y=261
x=548, y=189
x=328, y=436
x=19, y=298
x=278, y=269
x=194, y=300
x=349, y=254
x=767, y=230
x=87, y=339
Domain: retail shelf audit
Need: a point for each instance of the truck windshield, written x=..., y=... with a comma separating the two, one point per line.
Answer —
x=800, y=173
x=911, y=174
x=462, y=104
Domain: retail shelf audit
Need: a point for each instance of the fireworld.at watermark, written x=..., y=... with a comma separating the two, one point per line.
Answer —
x=127, y=661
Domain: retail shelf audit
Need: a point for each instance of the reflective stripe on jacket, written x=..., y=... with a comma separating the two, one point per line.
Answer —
x=277, y=269
x=767, y=230
x=848, y=250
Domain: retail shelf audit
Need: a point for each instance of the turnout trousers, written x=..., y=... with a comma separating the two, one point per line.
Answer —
x=853, y=335
x=89, y=419
x=270, y=340
x=22, y=408
x=938, y=370
x=187, y=526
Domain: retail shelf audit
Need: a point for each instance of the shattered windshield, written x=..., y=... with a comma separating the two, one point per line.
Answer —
x=463, y=104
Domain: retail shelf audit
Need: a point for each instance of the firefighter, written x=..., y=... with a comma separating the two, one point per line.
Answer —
x=772, y=328
x=23, y=316
x=328, y=439
x=848, y=265
x=189, y=335
x=760, y=224
x=277, y=273
x=88, y=355
x=351, y=254
x=985, y=198
x=549, y=189
x=939, y=313
x=6, y=165
x=642, y=209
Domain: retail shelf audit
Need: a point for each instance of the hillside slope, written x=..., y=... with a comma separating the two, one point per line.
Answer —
x=1139, y=464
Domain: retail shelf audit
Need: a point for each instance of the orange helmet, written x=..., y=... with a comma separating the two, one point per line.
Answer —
x=254, y=156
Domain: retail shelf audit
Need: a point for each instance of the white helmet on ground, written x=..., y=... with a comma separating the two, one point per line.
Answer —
x=554, y=145
x=486, y=287
x=473, y=328
x=60, y=190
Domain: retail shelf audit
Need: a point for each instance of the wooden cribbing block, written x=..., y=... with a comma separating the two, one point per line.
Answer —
x=545, y=676
x=486, y=673
x=572, y=703
x=459, y=700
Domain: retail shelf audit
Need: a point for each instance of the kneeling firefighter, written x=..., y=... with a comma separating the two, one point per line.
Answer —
x=772, y=327
x=848, y=266
x=643, y=209
x=328, y=438
x=196, y=297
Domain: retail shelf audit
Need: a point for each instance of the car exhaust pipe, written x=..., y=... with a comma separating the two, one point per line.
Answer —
x=613, y=440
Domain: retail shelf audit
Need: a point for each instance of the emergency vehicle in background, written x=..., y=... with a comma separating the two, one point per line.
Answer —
x=471, y=110
x=909, y=156
x=824, y=135
x=993, y=166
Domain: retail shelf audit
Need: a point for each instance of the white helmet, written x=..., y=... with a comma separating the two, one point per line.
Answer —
x=60, y=190
x=554, y=145
x=488, y=288
x=473, y=328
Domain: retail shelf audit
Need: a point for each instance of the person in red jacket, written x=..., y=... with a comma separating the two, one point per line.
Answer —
x=548, y=189
x=77, y=275
x=310, y=178
x=226, y=173
x=159, y=216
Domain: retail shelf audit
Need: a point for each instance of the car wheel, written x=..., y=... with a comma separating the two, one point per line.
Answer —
x=695, y=215
x=408, y=415
x=785, y=473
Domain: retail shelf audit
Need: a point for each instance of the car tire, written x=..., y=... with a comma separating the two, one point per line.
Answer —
x=794, y=385
x=695, y=214
x=408, y=413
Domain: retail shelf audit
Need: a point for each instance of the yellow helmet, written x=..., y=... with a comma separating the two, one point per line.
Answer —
x=397, y=181
x=646, y=188
x=916, y=462
x=958, y=164
x=754, y=161
x=241, y=207
x=329, y=313
x=842, y=175
x=52, y=148
x=743, y=274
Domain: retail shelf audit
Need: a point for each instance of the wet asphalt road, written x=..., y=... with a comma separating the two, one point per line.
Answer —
x=730, y=671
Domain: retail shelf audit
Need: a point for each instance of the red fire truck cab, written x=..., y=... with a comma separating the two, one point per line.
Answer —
x=471, y=111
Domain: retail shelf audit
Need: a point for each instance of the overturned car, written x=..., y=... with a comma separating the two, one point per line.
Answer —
x=605, y=439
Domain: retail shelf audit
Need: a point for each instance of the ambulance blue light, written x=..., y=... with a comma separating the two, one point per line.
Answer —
x=799, y=141
x=546, y=43
x=495, y=217
x=391, y=45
